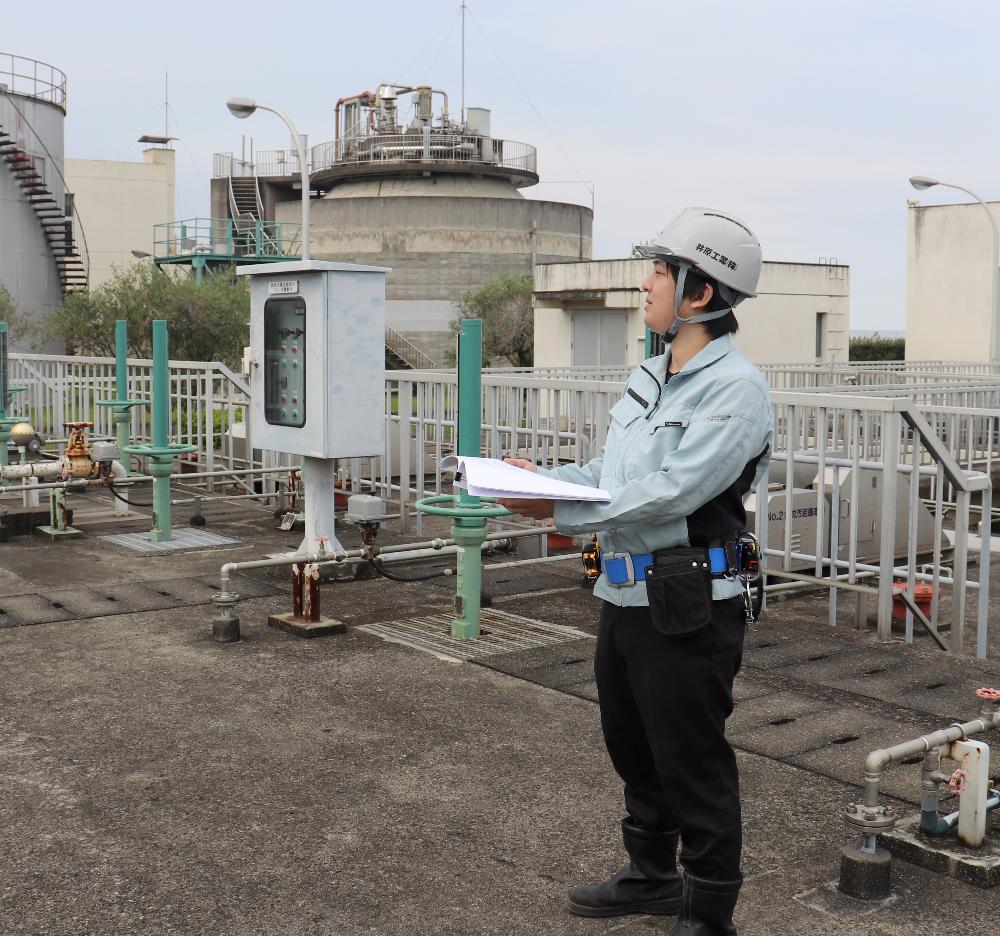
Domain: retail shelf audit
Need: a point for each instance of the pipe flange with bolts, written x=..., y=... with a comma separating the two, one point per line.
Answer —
x=870, y=819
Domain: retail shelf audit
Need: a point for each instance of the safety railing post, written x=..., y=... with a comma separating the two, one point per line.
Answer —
x=890, y=427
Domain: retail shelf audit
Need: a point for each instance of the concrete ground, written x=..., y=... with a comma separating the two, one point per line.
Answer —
x=155, y=782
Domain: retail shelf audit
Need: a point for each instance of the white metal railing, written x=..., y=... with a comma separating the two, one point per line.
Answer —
x=425, y=146
x=382, y=149
x=798, y=376
x=263, y=163
x=207, y=400
x=910, y=459
x=33, y=79
x=843, y=444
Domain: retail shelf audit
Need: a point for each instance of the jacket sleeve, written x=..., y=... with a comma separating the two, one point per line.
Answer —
x=589, y=474
x=729, y=428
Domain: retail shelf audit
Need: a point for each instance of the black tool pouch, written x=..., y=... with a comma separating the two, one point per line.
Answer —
x=679, y=587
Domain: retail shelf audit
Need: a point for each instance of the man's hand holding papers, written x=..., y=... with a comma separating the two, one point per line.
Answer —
x=517, y=485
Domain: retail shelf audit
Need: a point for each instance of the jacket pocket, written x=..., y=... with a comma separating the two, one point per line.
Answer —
x=626, y=411
x=679, y=588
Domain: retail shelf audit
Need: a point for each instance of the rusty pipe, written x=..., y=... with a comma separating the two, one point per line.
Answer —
x=48, y=469
x=365, y=97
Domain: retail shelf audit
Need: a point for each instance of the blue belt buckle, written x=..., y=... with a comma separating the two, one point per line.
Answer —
x=621, y=568
x=622, y=573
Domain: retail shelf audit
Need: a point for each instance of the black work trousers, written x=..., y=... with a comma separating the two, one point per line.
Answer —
x=664, y=704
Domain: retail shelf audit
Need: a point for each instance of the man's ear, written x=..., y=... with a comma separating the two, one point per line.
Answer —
x=702, y=302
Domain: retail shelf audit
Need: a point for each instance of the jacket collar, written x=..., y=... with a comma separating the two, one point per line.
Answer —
x=715, y=349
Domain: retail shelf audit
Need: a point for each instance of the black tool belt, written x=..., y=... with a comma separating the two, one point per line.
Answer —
x=679, y=583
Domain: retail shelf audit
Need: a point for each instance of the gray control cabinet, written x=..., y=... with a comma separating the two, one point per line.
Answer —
x=317, y=358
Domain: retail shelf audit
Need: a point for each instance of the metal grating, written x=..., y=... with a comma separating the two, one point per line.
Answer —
x=181, y=539
x=502, y=632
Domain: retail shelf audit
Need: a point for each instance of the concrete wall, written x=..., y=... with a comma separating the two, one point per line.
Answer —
x=119, y=203
x=779, y=325
x=441, y=246
x=948, y=285
x=27, y=268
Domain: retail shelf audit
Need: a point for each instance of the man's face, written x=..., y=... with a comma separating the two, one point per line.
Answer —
x=658, y=312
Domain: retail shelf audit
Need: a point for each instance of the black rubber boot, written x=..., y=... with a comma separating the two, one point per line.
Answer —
x=649, y=883
x=708, y=908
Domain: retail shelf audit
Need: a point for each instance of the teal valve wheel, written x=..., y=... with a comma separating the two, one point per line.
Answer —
x=161, y=461
x=120, y=406
x=468, y=529
x=147, y=450
x=483, y=510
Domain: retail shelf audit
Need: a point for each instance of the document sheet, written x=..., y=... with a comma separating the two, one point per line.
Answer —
x=490, y=477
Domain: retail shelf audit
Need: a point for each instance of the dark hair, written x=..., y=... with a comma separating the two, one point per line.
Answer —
x=694, y=286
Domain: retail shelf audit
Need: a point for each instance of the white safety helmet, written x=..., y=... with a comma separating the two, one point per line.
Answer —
x=718, y=246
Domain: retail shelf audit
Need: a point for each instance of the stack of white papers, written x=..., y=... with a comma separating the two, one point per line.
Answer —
x=490, y=477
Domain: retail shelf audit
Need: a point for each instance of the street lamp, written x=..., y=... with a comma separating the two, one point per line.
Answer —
x=923, y=182
x=244, y=107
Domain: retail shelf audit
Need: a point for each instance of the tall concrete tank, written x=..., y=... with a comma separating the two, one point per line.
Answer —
x=438, y=200
x=42, y=249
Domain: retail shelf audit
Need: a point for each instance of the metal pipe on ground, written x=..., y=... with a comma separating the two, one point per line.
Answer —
x=225, y=625
x=865, y=867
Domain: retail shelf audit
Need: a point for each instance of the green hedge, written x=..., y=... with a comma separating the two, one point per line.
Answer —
x=876, y=348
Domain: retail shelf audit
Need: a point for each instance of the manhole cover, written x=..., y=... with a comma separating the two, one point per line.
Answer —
x=501, y=632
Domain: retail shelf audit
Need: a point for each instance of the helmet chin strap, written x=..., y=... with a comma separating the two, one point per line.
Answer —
x=682, y=272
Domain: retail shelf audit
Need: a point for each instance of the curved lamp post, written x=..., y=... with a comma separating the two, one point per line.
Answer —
x=922, y=182
x=244, y=107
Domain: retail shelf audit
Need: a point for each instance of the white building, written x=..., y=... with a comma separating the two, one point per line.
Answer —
x=949, y=251
x=591, y=313
x=119, y=203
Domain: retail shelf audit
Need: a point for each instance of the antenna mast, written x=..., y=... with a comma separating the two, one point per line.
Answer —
x=463, y=61
x=166, y=103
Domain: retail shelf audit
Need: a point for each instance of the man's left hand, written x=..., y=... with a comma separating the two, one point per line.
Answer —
x=535, y=508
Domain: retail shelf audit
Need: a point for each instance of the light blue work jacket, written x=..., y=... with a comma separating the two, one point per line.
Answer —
x=690, y=442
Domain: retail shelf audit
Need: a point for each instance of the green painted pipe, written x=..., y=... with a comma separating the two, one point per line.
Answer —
x=470, y=392
x=121, y=359
x=160, y=466
x=161, y=384
x=469, y=533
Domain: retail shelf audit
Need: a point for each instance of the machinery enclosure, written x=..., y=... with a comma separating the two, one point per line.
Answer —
x=317, y=358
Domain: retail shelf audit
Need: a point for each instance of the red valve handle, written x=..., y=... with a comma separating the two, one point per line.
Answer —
x=958, y=781
x=990, y=695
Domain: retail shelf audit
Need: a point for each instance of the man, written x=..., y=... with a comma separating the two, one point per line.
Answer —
x=687, y=442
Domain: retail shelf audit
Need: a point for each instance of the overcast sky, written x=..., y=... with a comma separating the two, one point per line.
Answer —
x=803, y=118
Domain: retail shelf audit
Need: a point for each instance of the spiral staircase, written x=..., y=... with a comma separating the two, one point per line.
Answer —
x=55, y=216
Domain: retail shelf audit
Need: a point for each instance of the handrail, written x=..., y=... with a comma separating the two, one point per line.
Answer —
x=385, y=148
x=52, y=90
x=224, y=237
x=78, y=224
x=407, y=350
